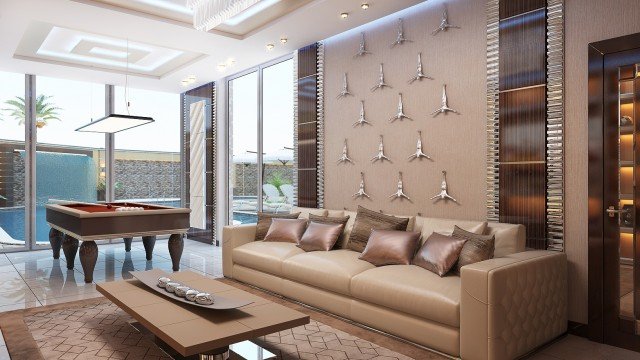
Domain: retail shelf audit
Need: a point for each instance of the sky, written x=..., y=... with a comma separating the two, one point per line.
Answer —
x=79, y=102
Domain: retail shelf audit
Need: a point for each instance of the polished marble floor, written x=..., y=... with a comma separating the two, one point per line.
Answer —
x=31, y=279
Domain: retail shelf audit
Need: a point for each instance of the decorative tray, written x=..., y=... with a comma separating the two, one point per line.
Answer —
x=150, y=279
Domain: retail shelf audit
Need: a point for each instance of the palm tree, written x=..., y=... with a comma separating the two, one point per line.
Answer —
x=45, y=110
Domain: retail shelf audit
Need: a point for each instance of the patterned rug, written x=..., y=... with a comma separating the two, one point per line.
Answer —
x=98, y=329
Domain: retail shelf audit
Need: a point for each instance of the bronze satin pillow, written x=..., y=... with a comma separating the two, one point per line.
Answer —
x=332, y=220
x=264, y=222
x=477, y=248
x=390, y=247
x=439, y=253
x=368, y=220
x=286, y=230
x=320, y=237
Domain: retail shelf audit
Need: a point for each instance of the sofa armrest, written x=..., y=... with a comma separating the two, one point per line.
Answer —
x=232, y=237
x=511, y=305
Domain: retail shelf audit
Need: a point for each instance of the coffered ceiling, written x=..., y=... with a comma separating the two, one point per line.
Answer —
x=87, y=39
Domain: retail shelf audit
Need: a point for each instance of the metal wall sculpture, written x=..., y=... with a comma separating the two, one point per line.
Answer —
x=444, y=24
x=361, y=119
x=380, y=156
x=345, y=88
x=345, y=154
x=419, y=74
x=361, y=193
x=400, y=39
x=381, y=84
x=362, y=49
x=399, y=194
x=444, y=106
x=444, y=192
x=419, y=154
x=400, y=115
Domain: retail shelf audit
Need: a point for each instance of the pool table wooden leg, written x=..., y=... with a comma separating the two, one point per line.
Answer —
x=70, y=249
x=88, y=258
x=176, y=245
x=149, y=242
x=55, y=239
x=127, y=243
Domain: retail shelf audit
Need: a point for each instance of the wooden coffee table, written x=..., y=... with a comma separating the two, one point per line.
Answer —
x=193, y=332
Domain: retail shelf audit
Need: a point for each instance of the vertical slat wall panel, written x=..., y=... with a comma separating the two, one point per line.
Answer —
x=522, y=116
x=207, y=93
x=307, y=127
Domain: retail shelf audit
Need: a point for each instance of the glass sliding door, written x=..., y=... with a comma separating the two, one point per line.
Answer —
x=147, y=158
x=277, y=137
x=12, y=164
x=261, y=166
x=243, y=164
x=70, y=165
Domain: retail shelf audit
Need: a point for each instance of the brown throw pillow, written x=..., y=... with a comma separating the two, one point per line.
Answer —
x=368, y=220
x=320, y=237
x=477, y=248
x=264, y=221
x=439, y=253
x=390, y=247
x=332, y=220
x=286, y=230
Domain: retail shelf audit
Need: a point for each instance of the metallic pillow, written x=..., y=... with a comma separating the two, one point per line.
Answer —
x=286, y=230
x=333, y=220
x=439, y=253
x=390, y=247
x=320, y=237
x=477, y=248
x=264, y=222
x=368, y=220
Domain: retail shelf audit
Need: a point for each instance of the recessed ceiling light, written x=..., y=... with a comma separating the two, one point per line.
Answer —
x=270, y=47
x=191, y=78
x=283, y=40
x=364, y=6
x=184, y=82
x=222, y=66
x=231, y=61
x=344, y=15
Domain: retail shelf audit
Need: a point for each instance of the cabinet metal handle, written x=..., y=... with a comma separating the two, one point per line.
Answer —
x=612, y=211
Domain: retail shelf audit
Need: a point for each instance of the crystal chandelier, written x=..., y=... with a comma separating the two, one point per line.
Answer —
x=208, y=14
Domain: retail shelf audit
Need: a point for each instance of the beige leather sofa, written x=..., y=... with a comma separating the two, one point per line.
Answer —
x=496, y=309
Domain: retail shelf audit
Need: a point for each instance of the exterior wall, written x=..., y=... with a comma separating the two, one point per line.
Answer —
x=246, y=177
x=457, y=143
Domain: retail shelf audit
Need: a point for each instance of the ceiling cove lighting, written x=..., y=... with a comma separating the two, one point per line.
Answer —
x=208, y=14
x=114, y=123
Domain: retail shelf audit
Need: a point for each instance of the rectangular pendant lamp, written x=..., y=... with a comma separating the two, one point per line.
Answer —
x=115, y=123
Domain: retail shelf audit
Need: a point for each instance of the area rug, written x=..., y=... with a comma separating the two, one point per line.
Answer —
x=98, y=329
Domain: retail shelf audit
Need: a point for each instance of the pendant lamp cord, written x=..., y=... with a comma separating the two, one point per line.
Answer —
x=126, y=81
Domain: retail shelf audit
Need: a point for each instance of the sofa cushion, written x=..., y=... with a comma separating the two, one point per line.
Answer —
x=510, y=238
x=304, y=212
x=368, y=220
x=427, y=226
x=264, y=222
x=477, y=248
x=286, y=230
x=333, y=220
x=328, y=270
x=411, y=289
x=265, y=256
x=391, y=247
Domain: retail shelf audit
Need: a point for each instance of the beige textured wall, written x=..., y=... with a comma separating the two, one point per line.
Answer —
x=586, y=21
x=456, y=143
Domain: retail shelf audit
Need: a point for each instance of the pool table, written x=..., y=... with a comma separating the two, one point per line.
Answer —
x=72, y=223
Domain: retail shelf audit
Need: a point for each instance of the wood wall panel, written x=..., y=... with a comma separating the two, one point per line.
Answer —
x=523, y=56
x=205, y=92
x=523, y=199
x=522, y=133
x=523, y=117
x=307, y=114
x=509, y=8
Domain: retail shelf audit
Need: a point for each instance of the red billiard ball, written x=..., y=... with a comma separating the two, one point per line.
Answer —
x=109, y=206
